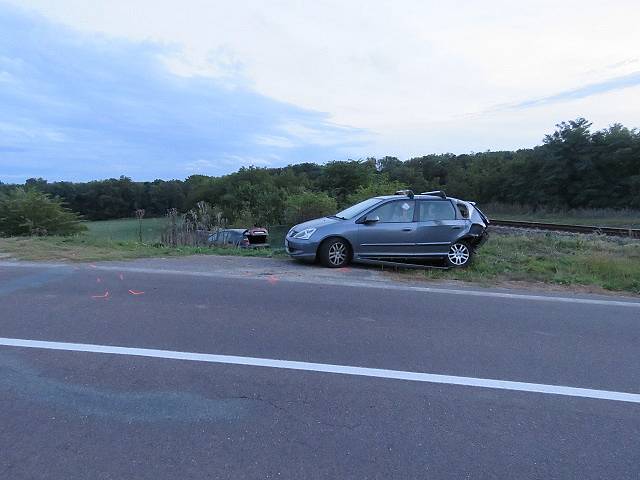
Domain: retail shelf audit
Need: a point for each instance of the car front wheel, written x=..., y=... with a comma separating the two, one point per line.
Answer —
x=335, y=253
x=459, y=255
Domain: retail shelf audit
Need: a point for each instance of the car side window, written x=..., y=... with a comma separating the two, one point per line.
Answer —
x=395, y=212
x=436, y=210
x=464, y=211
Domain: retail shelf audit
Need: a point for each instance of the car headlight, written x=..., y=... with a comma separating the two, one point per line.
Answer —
x=304, y=234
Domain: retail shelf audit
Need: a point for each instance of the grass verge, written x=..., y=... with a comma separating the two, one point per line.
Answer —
x=586, y=260
x=83, y=248
x=572, y=260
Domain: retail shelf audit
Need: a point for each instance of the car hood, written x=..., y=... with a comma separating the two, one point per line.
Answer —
x=316, y=223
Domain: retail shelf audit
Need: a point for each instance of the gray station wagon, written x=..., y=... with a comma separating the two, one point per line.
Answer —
x=396, y=227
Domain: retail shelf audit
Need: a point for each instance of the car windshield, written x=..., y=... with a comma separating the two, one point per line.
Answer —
x=357, y=209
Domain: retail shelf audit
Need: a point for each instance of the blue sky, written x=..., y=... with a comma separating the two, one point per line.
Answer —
x=78, y=106
x=146, y=89
x=608, y=85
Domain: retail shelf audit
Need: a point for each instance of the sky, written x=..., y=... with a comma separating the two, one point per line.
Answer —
x=163, y=89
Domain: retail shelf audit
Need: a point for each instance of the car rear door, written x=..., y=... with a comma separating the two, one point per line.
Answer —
x=393, y=235
x=437, y=227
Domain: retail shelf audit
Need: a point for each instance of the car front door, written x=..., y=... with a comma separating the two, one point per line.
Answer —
x=388, y=230
x=437, y=227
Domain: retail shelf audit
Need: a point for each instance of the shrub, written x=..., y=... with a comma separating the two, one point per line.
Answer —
x=30, y=212
x=382, y=186
x=308, y=205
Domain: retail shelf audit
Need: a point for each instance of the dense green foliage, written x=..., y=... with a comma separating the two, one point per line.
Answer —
x=573, y=168
x=30, y=212
x=303, y=206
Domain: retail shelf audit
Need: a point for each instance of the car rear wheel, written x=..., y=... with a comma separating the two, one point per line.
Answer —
x=335, y=253
x=459, y=255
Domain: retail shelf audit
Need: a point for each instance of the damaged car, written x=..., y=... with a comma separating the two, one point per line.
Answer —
x=398, y=227
x=255, y=237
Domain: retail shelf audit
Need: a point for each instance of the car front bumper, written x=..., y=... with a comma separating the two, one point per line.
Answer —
x=303, y=249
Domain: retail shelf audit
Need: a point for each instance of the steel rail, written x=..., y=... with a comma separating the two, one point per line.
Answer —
x=558, y=227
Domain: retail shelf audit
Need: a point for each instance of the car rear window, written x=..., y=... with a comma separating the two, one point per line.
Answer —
x=436, y=210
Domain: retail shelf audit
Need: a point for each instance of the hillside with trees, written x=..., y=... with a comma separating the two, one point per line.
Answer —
x=573, y=168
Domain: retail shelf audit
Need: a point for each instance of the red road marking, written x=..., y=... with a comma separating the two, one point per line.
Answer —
x=98, y=280
x=106, y=295
x=121, y=276
x=135, y=292
x=272, y=279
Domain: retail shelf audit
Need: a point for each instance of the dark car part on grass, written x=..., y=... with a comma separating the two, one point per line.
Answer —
x=240, y=237
x=401, y=228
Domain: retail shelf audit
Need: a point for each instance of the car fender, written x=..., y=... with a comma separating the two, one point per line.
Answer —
x=336, y=235
x=475, y=235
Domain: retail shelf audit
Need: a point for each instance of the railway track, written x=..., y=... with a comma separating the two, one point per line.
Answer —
x=557, y=227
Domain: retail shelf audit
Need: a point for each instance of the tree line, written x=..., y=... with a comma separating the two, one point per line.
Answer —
x=572, y=168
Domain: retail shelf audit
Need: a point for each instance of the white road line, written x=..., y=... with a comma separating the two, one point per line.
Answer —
x=345, y=282
x=328, y=368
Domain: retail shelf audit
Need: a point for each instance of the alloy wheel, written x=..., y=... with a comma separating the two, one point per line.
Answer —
x=459, y=254
x=337, y=253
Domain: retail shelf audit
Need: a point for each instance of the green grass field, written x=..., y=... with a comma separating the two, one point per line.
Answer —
x=112, y=240
x=126, y=229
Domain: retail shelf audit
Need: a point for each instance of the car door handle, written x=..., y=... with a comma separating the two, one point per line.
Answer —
x=456, y=228
x=407, y=229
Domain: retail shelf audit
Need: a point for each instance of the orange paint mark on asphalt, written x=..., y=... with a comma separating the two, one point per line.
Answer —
x=272, y=279
x=105, y=295
x=121, y=276
x=135, y=292
x=92, y=265
x=344, y=269
x=98, y=280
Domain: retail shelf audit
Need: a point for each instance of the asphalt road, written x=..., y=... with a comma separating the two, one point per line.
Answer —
x=74, y=414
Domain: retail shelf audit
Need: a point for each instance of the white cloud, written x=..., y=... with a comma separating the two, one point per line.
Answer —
x=200, y=166
x=407, y=70
x=250, y=160
x=232, y=162
x=309, y=135
x=274, y=141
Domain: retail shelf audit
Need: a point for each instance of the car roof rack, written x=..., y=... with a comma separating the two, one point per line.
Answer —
x=408, y=193
x=436, y=193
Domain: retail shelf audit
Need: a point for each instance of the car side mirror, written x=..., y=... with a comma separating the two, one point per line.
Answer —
x=370, y=220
